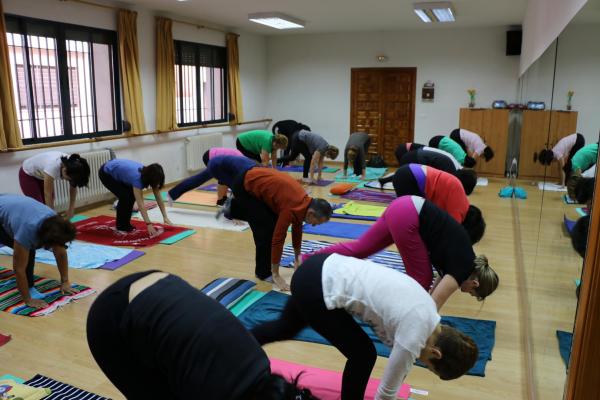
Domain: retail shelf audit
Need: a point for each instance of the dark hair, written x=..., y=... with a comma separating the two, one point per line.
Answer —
x=78, y=170
x=584, y=190
x=468, y=178
x=56, y=231
x=302, y=127
x=469, y=162
x=545, y=157
x=276, y=387
x=474, y=224
x=459, y=354
x=206, y=157
x=572, y=183
x=488, y=153
x=153, y=176
x=321, y=207
x=579, y=235
x=435, y=141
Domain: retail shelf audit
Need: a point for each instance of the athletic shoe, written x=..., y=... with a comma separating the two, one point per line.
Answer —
x=225, y=210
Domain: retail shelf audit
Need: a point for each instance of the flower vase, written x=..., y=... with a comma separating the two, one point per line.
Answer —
x=472, y=102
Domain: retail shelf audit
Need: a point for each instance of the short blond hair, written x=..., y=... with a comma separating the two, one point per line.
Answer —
x=280, y=141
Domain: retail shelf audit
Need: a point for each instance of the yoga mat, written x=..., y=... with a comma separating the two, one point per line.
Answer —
x=77, y=218
x=82, y=255
x=299, y=168
x=569, y=224
x=321, y=183
x=323, y=383
x=11, y=301
x=228, y=291
x=3, y=340
x=337, y=229
x=133, y=255
x=390, y=259
x=12, y=377
x=583, y=211
x=180, y=236
x=565, y=339
x=551, y=187
x=208, y=188
x=198, y=218
x=271, y=305
x=361, y=210
x=369, y=195
x=193, y=197
x=370, y=175
x=376, y=185
x=246, y=301
x=102, y=230
x=64, y=391
x=568, y=200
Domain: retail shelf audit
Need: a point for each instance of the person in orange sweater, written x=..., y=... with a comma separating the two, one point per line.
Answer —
x=271, y=201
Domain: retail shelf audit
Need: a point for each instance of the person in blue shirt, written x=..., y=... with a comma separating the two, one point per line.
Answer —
x=126, y=179
x=27, y=225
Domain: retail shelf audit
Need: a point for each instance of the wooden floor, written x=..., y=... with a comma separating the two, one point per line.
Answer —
x=56, y=345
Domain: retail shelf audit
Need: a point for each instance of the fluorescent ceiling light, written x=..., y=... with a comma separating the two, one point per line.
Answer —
x=276, y=20
x=435, y=12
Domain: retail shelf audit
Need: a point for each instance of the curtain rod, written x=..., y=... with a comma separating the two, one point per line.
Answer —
x=109, y=7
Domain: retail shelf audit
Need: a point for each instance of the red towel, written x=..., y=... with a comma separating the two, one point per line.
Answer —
x=102, y=230
x=4, y=339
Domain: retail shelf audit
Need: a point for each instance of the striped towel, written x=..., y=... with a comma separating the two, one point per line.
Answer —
x=61, y=391
x=228, y=291
x=12, y=302
x=388, y=258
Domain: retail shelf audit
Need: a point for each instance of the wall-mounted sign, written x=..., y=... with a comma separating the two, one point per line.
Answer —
x=428, y=91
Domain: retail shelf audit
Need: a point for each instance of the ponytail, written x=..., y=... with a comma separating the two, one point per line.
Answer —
x=276, y=387
x=486, y=276
x=77, y=169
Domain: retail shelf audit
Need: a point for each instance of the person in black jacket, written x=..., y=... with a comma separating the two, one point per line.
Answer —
x=288, y=127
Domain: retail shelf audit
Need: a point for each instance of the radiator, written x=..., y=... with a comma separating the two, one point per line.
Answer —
x=94, y=192
x=195, y=146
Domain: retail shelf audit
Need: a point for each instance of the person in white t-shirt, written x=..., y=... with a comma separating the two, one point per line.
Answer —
x=563, y=151
x=329, y=291
x=38, y=173
x=472, y=143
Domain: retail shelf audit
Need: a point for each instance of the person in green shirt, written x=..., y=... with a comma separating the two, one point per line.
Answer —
x=584, y=158
x=261, y=145
x=449, y=145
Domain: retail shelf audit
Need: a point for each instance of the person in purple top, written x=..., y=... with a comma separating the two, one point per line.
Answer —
x=126, y=179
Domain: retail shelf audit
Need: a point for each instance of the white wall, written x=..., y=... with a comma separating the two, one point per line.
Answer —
x=168, y=149
x=309, y=75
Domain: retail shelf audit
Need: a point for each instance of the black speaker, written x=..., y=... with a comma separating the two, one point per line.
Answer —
x=513, y=43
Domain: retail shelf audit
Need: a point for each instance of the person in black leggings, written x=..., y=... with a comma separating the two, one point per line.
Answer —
x=329, y=291
x=157, y=337
x=288, y=127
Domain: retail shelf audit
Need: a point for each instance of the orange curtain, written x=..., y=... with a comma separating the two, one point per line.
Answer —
x=166, y=119
x=10, y=134
x=130, y=71
x=233, y=78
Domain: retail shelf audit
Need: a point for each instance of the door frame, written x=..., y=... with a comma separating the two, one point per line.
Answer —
x=412, y=70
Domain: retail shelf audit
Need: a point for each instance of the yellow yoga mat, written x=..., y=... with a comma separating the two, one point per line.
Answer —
x=192, y=197
x=363, y=210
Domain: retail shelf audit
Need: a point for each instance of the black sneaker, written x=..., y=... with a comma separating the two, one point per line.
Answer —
x=225, y=210
x=222, y=201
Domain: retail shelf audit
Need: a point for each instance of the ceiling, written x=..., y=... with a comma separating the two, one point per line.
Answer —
x=339, y=15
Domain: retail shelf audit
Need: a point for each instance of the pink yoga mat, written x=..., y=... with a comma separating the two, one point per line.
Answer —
x=325, y=384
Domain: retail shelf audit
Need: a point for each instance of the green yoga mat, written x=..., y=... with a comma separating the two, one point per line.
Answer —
x=12, y=377
x=246, y=301
x=371, y=175
x=77, y=218
x=176, y=238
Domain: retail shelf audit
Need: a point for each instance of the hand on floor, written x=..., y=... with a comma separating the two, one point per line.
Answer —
x=36, y=303
x=152, y=232
x=281, y=283
x=167, y=221
x=65, y=288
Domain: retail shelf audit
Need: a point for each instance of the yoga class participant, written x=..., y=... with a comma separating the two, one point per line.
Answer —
x=261, y=145
x=38, y=173
x=156, y=337
x=472, y=144
x=356, y=152
x=126, y=179
x=442, y=189
x=25, y=226
x=314, y=148
x=563, y=152
x=426, y=236
x=330, y=291
x=287, y=128
x=208, y=154
x=584, y=158
x=229, y=166
x=450, y=146
x=270, y=201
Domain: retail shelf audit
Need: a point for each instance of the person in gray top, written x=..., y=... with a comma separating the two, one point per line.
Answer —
x=355, y=153
x=318, y=149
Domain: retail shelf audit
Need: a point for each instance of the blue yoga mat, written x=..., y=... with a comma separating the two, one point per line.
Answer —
x=569, y=224
x=564, y=345
x=337, y=229
x=270, y=306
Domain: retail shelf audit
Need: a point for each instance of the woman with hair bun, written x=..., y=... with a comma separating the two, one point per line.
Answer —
x=38, y=173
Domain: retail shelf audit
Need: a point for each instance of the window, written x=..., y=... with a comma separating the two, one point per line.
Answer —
x=200, y=83
x=64, y=78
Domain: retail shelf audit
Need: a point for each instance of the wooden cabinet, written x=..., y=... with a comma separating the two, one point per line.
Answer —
x=542, y=130
x=492, y=126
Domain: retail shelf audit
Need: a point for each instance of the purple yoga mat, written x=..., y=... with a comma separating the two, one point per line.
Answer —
x=111, y=266
x=209, y=188
x=369, y=195
x=323, y=182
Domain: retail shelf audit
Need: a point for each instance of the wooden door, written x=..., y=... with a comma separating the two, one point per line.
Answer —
x=535, y=129
x=383, y=105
